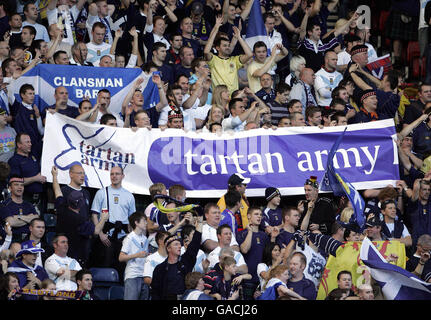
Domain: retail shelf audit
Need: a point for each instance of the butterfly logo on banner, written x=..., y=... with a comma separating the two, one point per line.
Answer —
x=63, y=160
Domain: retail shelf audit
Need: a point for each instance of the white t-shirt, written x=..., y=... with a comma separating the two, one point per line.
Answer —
x=120, y=122
x=151, y=263
x=315, y=264
x=132, y=244
x=97, y=51
x=343, y=58
x=107, y=22
x=54, y=263
x=372, y=53
x=262, y=267
x=65, y=17
x=233, y=123
x=324, y=84
x=422, y=22
x=201, y=256
x=121, y=205
x=213, y=257
x=210, y=233
x=39, y=255
x=188, y=118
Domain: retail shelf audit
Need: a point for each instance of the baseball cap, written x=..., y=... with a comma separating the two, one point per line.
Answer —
x=374, y=220
x=271, y=193
x=237, y=179
x=197, y=8
x=28, y=247
x=74, y=199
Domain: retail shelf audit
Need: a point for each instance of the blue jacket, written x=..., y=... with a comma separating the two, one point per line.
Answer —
x=20, y=269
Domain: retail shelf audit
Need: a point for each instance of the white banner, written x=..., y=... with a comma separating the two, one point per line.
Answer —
x=203, y=162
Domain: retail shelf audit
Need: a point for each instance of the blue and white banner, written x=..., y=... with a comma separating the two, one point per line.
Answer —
x=203, y=162
x=396, y=282
x=82, y=81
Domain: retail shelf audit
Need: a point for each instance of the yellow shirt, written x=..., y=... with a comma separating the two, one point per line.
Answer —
x=225, y=71
x=254, y=82
x=244, y=208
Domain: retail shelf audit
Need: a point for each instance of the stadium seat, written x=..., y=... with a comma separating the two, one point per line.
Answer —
x=116, y=293
x=384, y=15
x=385, y=42
x=103, y=280
x=104, y=276
x=416, y=68
x=102, y=293
x=413, y=51
x=413, y=59
x=50, y=220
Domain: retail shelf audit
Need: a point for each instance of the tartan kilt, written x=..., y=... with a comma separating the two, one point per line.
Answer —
x=398, y=30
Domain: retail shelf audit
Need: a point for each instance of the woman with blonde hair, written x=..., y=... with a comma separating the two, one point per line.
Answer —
x=221, y=97
x=215, y=115
x=297, y=63
x=346, y=214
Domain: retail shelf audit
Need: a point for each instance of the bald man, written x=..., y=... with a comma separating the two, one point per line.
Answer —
x=61, y=96
x=327, y=79
x=304, y=89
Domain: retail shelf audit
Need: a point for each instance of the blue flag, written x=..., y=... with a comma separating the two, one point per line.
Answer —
x=150, y=93
x=256, y=30
x=396, y=283
x=335, y=182
x=80, y=82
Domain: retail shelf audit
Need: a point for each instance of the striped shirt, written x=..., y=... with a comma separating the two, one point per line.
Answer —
x=278, y=111
x=314, y=53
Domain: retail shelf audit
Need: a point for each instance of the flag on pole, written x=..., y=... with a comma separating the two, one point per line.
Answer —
x=335, y=182
x=256, y=30
x=396, y=283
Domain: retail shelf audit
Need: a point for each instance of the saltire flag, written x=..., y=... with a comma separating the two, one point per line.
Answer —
x=256, y=30
x=149, y=91
x=81, y=81
x=348, y=258
x=335, y=182
x=396, y=283
x=380, y=66
x=270, y=291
